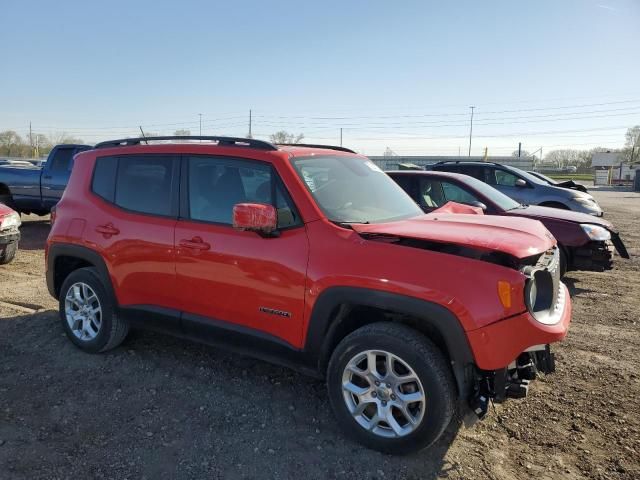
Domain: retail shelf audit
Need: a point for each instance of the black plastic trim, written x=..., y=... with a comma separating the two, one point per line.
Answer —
x=327, y=314
x=76, y=251
x=222, y=141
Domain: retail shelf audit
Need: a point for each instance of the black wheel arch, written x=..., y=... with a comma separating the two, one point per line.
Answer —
x=340, y=310
x=62, y=259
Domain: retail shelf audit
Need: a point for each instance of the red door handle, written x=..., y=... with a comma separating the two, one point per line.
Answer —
x=196, y=243
x=107, y=230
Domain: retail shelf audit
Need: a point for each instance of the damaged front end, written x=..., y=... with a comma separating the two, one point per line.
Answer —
x=546, y=298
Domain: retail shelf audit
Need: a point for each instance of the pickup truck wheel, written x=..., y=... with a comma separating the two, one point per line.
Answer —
x=9, y=253
x=87, y=313
x=391, y=388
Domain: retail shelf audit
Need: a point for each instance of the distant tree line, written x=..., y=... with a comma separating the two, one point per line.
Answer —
x=14, y=145
x=581, y=159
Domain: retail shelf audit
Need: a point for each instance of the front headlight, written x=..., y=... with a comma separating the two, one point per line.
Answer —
x=10, y=221
x=584, y=200
x=596, y=232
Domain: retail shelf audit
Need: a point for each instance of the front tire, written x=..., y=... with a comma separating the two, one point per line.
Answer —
x=391, y=388
x=87, y=313
x=9, y=253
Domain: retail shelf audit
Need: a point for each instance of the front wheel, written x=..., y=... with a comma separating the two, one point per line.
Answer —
x=9, y=253
x=391, y=388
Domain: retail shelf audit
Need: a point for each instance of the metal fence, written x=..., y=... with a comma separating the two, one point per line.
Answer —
x=391, y=163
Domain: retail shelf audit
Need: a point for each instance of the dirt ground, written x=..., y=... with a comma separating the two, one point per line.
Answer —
x=158, y=407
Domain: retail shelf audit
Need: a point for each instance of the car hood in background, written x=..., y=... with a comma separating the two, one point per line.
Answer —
x=519, y=237
x=535, y=211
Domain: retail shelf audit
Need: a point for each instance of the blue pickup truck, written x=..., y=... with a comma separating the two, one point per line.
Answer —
x=33, y=189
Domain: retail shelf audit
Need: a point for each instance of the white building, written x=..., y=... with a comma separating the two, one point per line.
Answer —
x=610, y=168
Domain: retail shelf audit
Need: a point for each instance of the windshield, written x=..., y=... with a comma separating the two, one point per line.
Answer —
x=354, y=190
x=497, y=197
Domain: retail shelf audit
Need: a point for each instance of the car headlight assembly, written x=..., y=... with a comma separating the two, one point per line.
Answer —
x=584, y=200
x=596, y=232
x=10, y=221
x=538, y=292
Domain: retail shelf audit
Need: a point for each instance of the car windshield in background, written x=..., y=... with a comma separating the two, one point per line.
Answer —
x=354, y=190
x=497, y=197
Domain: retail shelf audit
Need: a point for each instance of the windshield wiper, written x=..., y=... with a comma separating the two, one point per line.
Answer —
x=348, y=224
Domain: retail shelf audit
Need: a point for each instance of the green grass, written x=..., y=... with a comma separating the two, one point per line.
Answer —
x=584, y=177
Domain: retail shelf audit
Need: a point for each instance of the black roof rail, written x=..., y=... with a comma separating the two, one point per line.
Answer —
x=226, y=141
x=441, y=162
x=313, y=145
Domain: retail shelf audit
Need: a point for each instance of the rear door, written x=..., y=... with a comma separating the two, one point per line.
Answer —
x=237, y=278
x=136, y=200
x=56, y=172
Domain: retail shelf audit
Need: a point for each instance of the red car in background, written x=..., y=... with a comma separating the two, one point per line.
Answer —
x=9, y=233
x=583, y=238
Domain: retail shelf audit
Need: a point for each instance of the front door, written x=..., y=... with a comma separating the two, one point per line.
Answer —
x=240, y=278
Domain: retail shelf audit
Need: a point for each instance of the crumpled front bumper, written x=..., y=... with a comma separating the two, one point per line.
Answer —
x=8, y=237
x=497, y=345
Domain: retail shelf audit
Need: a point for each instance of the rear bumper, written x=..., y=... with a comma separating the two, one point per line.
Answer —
x=497, y=345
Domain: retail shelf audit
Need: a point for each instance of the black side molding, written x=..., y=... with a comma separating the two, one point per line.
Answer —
x=58, y=250
x=335, y=302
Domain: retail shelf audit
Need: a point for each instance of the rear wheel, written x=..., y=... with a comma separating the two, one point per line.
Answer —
x=391, y=388
x=87, y=313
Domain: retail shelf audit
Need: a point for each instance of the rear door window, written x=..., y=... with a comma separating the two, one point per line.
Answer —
x=146, y=184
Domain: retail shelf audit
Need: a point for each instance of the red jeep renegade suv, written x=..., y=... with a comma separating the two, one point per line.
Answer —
x=312, y=257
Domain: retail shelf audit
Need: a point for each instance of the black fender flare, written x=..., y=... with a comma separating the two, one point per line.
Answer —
x=58, y=250
x=333, y=304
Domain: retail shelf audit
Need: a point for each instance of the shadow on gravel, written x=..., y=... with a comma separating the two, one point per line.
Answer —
x=573, y=289
x=33, y=234
x=167, y=408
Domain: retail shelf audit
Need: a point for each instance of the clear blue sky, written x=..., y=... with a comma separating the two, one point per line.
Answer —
x=390, y=73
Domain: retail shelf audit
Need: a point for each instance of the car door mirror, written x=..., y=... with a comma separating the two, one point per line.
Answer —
x=521, y=183
x=255, y=217
x=479, y=204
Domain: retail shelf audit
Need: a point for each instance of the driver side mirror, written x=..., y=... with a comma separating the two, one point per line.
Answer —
x=521, y=183
x=255, y=217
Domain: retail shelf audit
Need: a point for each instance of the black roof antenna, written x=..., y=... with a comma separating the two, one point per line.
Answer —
x=143, y=135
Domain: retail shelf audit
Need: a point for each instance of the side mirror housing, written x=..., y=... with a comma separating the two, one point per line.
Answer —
x=255, y=217
x=521, y=183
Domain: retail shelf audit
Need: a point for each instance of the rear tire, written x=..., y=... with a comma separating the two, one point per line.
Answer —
x=87, y=313
x=382, y=407
x=9, y=253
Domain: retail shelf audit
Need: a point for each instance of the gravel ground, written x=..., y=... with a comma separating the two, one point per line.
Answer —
x=158, y=407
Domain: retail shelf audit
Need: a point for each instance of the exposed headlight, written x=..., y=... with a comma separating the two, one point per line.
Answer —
x=10, y=221
x=584, y=200
x=596, y=232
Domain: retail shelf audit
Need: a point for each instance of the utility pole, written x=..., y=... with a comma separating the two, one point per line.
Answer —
x=519, y=149
x=250, y=124
x=200, y=115
x=471, y=129
x=30, y=139
x=340, y=136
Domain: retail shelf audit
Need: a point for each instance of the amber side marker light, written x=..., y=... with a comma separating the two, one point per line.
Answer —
x=504, y=293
